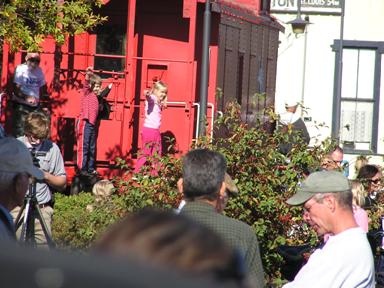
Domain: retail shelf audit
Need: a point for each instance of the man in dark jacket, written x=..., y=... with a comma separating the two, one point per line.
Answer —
x=205, y=192
x=16, y=167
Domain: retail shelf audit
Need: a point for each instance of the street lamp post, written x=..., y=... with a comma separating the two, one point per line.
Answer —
x=304, y=66
x=299, y=26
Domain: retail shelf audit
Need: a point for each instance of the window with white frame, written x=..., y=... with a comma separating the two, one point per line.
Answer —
x=357, y=117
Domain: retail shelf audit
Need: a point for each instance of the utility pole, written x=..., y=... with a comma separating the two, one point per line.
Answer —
x=337, y=100
x=205, y=69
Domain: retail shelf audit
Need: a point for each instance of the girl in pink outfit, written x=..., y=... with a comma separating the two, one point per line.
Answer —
x=156, y=101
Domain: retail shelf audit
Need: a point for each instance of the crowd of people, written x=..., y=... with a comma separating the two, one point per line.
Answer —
x=331, y=206
x=198, y=238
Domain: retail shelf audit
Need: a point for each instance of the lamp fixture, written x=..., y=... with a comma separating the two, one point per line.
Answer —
x=298, y=24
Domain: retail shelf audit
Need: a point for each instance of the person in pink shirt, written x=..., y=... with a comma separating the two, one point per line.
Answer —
x=359, y=213
x=156, y=101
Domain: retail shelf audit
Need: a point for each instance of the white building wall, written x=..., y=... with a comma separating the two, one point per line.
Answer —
x=363, y=21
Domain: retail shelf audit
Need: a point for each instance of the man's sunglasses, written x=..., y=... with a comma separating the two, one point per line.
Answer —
x=34, y=60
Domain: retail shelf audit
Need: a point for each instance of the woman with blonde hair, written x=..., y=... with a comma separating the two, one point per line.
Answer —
x=358, y=201
x=102, y=190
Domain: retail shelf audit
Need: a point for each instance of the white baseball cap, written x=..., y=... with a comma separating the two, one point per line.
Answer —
x=291, y=102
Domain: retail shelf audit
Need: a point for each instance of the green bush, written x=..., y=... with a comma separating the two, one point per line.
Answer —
x=74, y=226
x=266, y=178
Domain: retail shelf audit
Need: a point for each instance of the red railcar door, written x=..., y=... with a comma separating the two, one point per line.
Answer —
x=105, y=49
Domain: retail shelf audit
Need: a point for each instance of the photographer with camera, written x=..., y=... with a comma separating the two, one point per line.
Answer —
x=47, y=157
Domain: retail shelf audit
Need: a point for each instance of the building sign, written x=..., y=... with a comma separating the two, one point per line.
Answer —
x=307, y=6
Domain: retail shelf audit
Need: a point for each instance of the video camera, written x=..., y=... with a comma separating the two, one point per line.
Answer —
x=35, y=154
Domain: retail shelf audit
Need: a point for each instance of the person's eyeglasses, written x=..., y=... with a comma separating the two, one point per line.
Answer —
x=33, y=139
x=339, y=162
x=34, y=60
x=375, y=181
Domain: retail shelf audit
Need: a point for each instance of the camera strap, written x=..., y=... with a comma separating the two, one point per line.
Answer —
x=45, y=146
x=42, y=149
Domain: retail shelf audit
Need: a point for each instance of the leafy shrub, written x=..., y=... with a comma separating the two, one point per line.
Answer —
x=266, y=178
x=376, y=212
x=75, y=226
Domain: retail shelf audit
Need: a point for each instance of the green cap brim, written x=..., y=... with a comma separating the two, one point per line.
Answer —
x=300, y=198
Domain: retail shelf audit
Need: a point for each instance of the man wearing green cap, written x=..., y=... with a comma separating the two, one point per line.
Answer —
x=346, y=259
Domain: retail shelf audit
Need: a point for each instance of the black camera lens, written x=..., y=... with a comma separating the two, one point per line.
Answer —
x=35, y=161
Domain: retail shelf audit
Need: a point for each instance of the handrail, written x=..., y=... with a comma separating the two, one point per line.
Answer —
x=1, y=102
x=88, y=54
x=162, y=59
x=198, y=117
x=175, y=103
x=82, y=71
x=178, y=103
x=212, y=117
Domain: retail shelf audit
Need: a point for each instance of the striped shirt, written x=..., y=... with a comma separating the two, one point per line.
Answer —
x=89, y=107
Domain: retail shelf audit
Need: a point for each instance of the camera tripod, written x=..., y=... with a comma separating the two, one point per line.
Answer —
x=31, y=211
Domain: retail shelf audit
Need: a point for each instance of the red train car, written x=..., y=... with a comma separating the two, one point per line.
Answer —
x=148, y=40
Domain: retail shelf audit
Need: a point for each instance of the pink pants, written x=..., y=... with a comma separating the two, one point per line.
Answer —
x=151, y=145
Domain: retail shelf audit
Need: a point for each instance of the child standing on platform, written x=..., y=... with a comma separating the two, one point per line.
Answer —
x=156, y=100
x=86, y=124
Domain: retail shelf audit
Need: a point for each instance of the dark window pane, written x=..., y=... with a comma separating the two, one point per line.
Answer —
x=111, y=42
